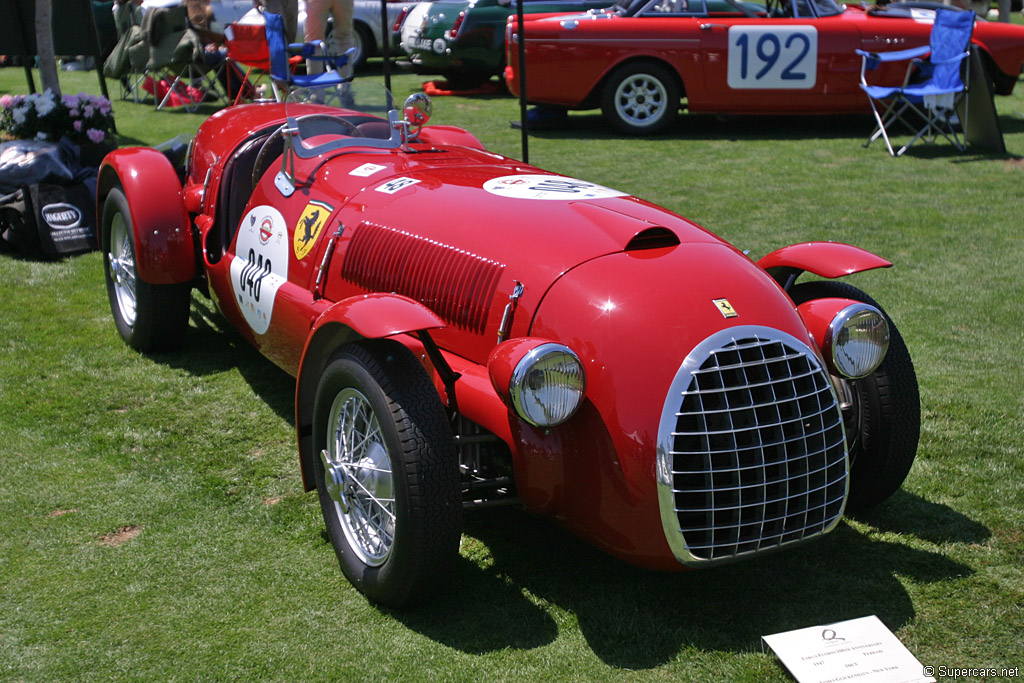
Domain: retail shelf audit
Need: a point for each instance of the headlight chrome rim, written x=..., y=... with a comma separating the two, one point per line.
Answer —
x=560, y=392
x=857, y=341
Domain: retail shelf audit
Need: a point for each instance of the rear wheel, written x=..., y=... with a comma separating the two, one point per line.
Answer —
x=883, y=420
x=362, y=41
x=387, y=475
x=640, y=98
x=148, y=317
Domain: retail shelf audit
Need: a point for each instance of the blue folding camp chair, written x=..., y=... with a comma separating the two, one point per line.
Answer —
x=933, y=88
x=280, y=51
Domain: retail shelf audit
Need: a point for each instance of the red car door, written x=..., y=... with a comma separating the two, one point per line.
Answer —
x=764, y=65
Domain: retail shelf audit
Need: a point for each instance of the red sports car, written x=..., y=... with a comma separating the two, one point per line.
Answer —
x=730, y=57
x=466, y=330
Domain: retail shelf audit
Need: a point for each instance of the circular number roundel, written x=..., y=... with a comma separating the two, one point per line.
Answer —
x=547, y=187
x=260, y=265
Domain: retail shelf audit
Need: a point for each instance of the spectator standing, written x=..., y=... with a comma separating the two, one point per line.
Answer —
x=317, y=12
x=289, y=11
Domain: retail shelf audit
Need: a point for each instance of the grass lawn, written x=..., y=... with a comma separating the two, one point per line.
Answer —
x=155, y=527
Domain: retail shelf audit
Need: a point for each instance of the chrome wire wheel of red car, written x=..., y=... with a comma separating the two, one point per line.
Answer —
x=640, y=98
x=387, y=474
x=148, y=317
x=358, y=477
x=882, y=412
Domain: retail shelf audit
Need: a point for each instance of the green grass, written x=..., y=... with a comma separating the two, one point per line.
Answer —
x=225, y=572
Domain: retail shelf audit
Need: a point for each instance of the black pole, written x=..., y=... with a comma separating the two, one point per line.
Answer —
x=522, y=82
x=385, y=40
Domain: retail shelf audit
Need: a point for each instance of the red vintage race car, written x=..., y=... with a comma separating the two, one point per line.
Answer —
x=637, y=61
x=466, y=330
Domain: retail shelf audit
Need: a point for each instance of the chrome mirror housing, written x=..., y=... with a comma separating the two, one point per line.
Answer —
x=416, y=112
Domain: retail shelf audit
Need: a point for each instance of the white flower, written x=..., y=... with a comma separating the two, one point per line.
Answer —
x=45, y=103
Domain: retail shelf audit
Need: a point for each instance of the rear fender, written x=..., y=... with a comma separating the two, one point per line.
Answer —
x=825, y=259
x=373, y=316
x=164, y=253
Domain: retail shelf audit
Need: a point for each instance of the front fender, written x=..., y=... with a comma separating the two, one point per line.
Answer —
x=372, y=316
x=164, y=253
x=825, y=259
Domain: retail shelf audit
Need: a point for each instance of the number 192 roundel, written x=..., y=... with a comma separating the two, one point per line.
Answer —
x=637, y=63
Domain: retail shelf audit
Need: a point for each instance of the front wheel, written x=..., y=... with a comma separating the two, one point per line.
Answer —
x=640, y=99
x=883, y=420
x=148, y=317
x=387, y=474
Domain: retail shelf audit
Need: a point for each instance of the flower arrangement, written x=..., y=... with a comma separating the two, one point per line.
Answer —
x=44, y=116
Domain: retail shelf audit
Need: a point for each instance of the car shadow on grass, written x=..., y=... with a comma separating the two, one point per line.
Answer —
x=212, y=346
x=855, y=127
x=522, y=571
x=591, y=124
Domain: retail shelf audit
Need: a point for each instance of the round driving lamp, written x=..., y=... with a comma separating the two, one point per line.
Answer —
x=857, y=340
x=547, y=385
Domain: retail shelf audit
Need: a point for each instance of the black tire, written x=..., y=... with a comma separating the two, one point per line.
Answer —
x=884, y=423
x=393, y=553
x=148, y=317
x=641, y=98
x=363, y=42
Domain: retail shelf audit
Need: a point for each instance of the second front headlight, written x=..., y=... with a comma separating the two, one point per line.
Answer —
x=857, y=340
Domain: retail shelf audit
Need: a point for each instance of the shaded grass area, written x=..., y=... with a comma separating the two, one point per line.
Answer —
x=155, y=524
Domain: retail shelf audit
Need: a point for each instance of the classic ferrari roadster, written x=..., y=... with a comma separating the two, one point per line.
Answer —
x=466, y=331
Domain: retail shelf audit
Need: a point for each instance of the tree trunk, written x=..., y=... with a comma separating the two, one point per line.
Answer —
x=44, y=46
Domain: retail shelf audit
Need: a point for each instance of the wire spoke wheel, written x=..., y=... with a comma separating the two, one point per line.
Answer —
x=358, y=457
x=387, y=474
x=121, y=257
x=149, y=317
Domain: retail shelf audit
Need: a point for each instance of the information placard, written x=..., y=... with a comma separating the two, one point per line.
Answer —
x=855, y=650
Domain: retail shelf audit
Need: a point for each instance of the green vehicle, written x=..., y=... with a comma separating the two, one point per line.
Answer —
x=464, y=41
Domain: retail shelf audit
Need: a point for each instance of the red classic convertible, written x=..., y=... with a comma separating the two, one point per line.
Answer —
x=730, y=57
x=466, y=330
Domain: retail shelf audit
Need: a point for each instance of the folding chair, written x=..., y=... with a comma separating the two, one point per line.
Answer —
x=247, y=46
x=172, y=61
x=933, y=89
x=281, y=51
x=128, y=24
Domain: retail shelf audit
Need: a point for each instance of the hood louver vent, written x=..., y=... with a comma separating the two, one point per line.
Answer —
x=455, y=284
x=653, y=238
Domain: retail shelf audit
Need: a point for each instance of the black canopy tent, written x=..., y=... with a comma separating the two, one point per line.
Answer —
x=69, y=18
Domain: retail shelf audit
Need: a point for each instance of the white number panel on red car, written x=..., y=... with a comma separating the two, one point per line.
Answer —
x=260, y=266
x=769, y=57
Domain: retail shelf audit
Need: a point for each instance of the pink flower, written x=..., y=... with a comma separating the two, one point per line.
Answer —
x=95, y=135
x=6, y=101
x=78, y=126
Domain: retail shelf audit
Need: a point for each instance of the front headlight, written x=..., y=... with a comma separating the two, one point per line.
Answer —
x=547, y=385
x=857, y=340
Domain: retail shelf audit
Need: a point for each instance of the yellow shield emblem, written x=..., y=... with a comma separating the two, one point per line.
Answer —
x=725, y=308
x=311, y=222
